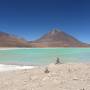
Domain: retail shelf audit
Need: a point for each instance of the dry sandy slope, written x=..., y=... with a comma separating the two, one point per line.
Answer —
x=61, y=77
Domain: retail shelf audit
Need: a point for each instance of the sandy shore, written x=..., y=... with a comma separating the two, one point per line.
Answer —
x=6, y=67
x=60, y=77
x=11, y=48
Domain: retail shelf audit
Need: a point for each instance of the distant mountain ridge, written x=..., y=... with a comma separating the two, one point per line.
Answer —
x=58, y=38
x=54, y=38
x=8, y=40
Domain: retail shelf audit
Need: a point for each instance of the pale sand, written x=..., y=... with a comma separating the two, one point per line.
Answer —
x=4, y=67
x=12, y=48
x=61, y=77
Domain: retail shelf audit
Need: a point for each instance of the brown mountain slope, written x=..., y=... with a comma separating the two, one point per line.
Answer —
x=7, y=40
x=57, y=38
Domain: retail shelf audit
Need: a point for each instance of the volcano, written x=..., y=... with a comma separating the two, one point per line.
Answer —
x=58, y=38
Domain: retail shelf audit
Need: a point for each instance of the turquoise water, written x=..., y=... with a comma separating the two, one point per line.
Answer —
x=40, y=56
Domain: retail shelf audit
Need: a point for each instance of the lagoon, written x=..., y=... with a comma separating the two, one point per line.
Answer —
x=44, y=56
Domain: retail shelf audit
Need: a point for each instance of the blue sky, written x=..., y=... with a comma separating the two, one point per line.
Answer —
x=33, y=18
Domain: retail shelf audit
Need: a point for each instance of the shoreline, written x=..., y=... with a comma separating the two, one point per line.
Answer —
x=13, y=48
x=10, y=67
x=15, y=67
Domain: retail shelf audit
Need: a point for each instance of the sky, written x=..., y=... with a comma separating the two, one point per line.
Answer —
x=31, y=19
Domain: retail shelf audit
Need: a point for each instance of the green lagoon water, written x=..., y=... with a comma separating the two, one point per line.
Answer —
x=41, y=56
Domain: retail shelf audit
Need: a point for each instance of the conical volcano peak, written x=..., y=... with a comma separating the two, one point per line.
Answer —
x=55, y=30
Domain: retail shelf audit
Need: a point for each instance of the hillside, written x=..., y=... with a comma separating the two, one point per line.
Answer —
x=54, y=38
x=57, y=38
x=7, y=40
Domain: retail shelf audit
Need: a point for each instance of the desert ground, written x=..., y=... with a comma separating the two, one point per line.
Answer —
x=74, y=76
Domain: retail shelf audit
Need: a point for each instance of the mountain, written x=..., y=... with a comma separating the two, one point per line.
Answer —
x=7, y=40
x=57, y=38
x=54, y=38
